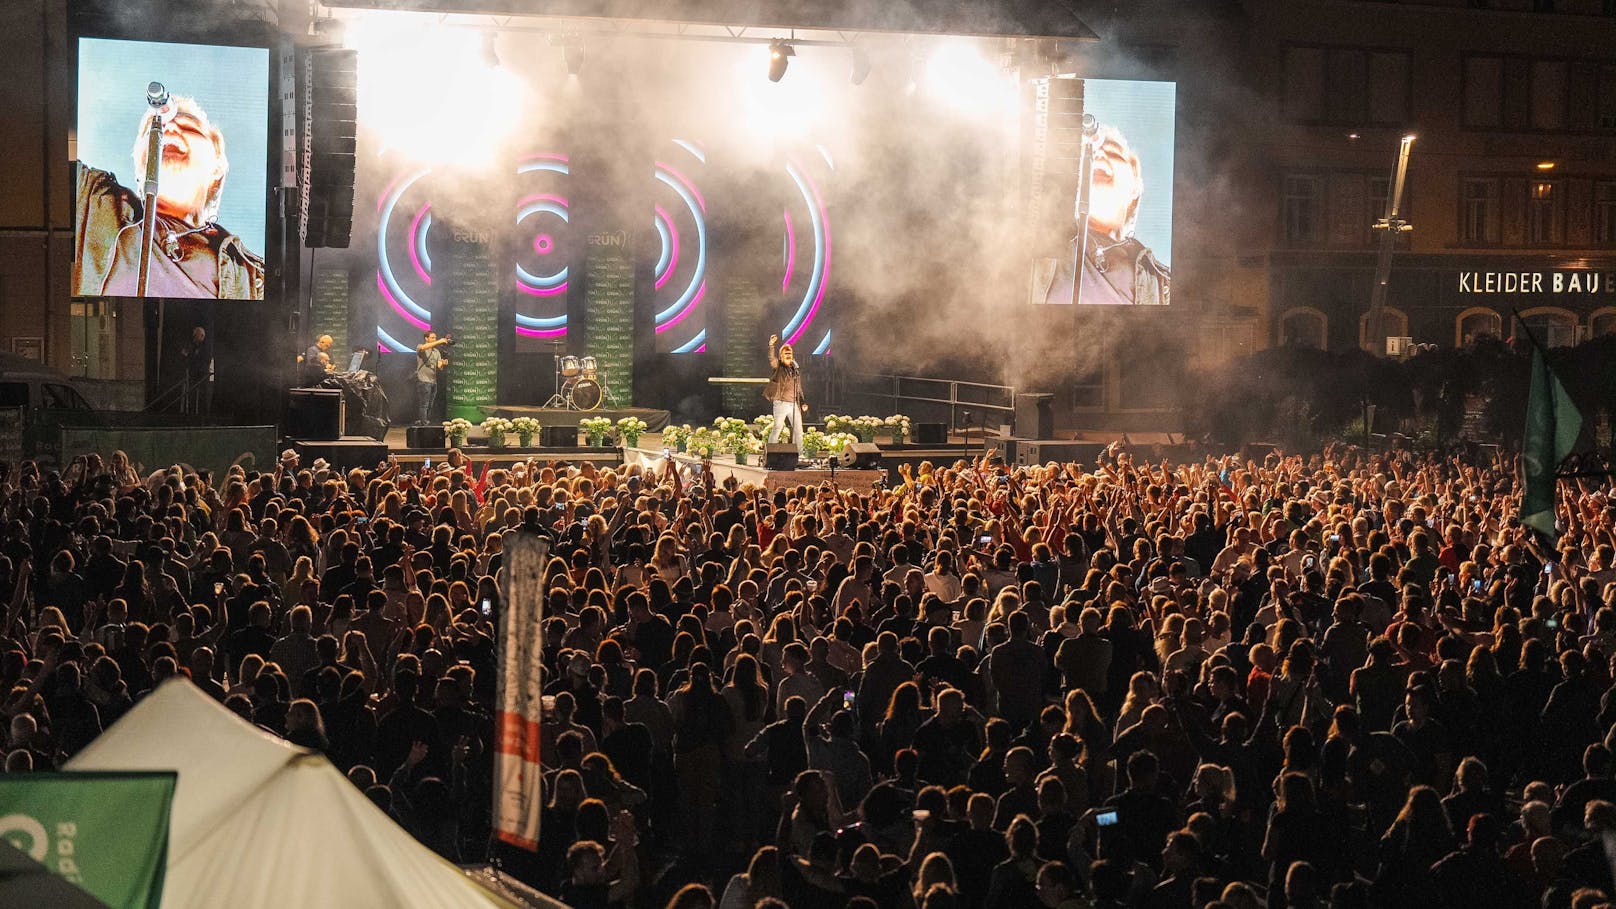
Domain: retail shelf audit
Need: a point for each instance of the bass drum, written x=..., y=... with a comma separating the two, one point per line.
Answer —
x=584, y=394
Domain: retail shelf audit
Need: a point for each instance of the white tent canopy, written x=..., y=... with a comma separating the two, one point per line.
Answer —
x=261, y=824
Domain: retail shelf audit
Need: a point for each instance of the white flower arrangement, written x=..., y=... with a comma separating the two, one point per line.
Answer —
x=899, y=426
x=596, y=428
x=631, y=424
x=526, y=428
x=866, y=427
x=458, y=428
x=761, y=425
x=836, y=441
x=676, y=437
x=835, y=422
x=704, y=442
x=729, y=426
x=813, y=443
x=496, y=428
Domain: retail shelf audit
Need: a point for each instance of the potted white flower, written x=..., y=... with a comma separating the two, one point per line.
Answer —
x=455, y=432
x=525, y=428
x=497, y=428
x=745, y=445
x=630, y=429
x=596, y=429
x=898, y=426
x=676, y=437
x=813, y=444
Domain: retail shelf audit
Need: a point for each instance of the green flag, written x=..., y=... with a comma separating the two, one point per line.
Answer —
x=1553, y=424
x=107, y=833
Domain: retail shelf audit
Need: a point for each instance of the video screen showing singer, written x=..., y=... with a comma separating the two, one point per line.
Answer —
x=1118, y=269
x=192, y=256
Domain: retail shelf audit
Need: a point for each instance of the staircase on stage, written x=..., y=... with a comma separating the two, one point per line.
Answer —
x=655, y=420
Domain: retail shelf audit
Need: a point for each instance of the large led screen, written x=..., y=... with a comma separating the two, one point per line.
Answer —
x=1126, y=249
x=212, y=106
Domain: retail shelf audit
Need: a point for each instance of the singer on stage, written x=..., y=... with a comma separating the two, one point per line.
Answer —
x=785, y=391
x=191, y=255
x=1117, y=268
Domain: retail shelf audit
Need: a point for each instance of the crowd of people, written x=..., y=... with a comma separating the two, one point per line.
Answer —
x=1345, y=680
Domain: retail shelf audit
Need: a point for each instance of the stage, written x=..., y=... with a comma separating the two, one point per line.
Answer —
x=655, y=420
x=724, y=467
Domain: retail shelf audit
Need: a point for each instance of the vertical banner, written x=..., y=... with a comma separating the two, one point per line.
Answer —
x=105, y=833
x=329, y=312
x=473, y=283
x=609, y=302
x=745, y=347
x=518, y=795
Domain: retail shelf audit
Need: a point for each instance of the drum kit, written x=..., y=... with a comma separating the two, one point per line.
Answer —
x=579, y=384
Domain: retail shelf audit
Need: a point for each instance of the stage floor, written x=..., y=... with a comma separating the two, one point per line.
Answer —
x=655, y=420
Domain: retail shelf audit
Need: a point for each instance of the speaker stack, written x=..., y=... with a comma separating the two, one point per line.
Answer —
x=330, y=136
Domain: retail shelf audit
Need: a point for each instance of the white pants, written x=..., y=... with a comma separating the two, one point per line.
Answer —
x=786, y=411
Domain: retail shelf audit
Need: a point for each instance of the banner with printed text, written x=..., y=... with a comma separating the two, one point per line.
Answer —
x=105, y=833
x=519, y=796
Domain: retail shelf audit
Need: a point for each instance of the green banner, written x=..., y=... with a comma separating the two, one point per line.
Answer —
x=150, y=448
x=745, y=348
x=472, y=276
x=328, y=313
x=1553, y=424
x=609, y=304
x=106, y=833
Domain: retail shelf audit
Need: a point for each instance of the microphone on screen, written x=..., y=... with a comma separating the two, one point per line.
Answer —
x=158, y=99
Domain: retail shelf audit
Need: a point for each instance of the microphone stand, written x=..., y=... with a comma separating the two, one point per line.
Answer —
x=1085, y=188
x=148, y=222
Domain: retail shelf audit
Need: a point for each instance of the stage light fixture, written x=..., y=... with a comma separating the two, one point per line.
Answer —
x=1545, y=165
x=780, y=54
x=861, y=65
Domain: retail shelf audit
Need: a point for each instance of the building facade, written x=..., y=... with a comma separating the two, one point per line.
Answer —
x=1512, y=181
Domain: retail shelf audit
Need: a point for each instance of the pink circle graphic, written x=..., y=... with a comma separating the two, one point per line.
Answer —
x=543, y=244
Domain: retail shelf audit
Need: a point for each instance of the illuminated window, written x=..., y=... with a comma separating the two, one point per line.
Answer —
x=1543, y=213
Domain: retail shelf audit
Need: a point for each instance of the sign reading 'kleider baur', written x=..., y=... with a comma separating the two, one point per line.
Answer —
x=1537, y=282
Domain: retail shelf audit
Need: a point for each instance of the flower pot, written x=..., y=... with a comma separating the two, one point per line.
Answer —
x=631, y=440
x=740, y=458
x=683, y=446
x=496, y=440
x=597, y=441
x=525, y=439
x=457, y=441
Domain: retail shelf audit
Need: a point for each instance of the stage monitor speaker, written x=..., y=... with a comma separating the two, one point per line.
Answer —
x=314, y=414
x=1003, y=449
x=425, y=437
x=1031, y=454
x=558, y=436
x=781, y=456
x=931, y=434
x=343, y=454
x=330, y=142
x=1035, y=416
x=861, y=456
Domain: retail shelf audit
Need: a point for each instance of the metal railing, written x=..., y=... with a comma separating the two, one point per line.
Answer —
x=922, y=398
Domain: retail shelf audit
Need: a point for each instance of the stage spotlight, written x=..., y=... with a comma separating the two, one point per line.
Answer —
x=861, y=65
x=780, y=54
